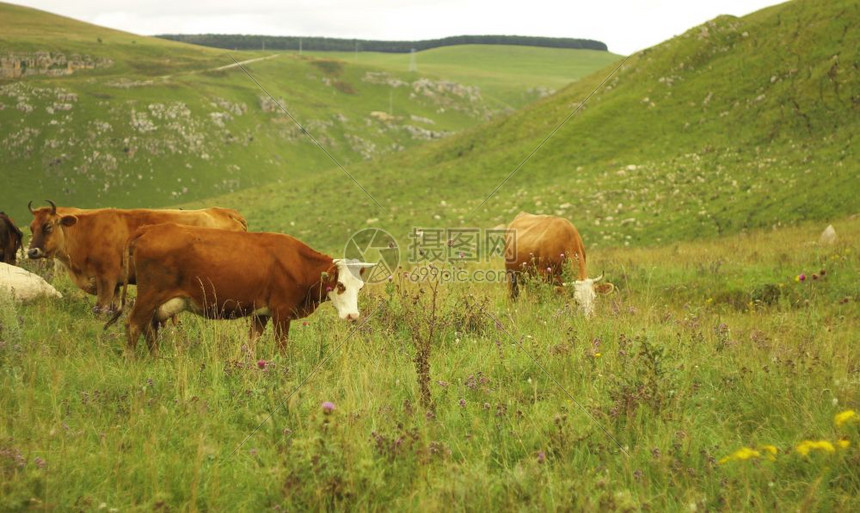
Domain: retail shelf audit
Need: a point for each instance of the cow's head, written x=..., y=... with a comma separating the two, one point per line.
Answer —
x=9, y=247
x=584, y=292
x=47, y=229
x=344, y=290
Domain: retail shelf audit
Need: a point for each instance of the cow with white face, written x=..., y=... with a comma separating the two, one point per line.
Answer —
x=344, y=296
x=543, y=245
x=222, y=274
x=585, y=291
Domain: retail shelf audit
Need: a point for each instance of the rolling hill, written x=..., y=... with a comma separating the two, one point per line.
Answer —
x=95, y=117
x=737, y=124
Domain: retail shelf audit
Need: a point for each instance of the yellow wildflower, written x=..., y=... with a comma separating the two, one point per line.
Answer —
x=810, y=445
x=845, y=416
x=744, y=453
x=843, y=443
x=771, y=451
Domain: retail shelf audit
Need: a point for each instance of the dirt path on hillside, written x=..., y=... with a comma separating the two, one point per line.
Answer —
x=227, y=66
x=235, y=64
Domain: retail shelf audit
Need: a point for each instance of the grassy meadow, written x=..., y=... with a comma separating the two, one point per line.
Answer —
x=720, y=375
x=709, y=380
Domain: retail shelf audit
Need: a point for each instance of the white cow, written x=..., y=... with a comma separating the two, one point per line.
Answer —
x=23, y=285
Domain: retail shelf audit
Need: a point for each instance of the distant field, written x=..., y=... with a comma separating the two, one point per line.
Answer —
x=504, y=73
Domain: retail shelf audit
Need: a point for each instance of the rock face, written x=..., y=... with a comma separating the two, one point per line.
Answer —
x=16, y=65
x=23, y=285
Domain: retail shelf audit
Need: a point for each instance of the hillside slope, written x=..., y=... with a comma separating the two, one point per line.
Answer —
x=736, y=124
x=95, y=117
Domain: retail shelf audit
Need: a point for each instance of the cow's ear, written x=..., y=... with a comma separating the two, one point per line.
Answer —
x=604, y=288
x=68, y=220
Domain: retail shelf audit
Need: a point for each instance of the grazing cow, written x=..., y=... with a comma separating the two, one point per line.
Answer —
x=225, y=275
x=91, y=243
x=542, y=245
x=23, y=285
x=10, y=239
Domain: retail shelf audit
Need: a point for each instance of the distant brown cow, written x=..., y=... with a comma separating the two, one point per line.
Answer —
x=225, y=275
x=10, y=240
x=91, y=243
x=543, y=245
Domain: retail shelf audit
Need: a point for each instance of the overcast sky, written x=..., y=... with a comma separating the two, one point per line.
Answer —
x=624, y=25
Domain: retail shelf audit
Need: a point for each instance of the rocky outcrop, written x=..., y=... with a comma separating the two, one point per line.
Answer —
x=17, y=65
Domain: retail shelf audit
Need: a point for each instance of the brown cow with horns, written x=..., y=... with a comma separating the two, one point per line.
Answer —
x=91, y=243
x=225, y=275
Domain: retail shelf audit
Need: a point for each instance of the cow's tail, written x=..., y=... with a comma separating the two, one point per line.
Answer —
x=126, y=257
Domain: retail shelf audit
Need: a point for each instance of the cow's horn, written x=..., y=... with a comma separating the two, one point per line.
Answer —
x=53, y=207
x=30, y=206
x=352, y=262
x=595, y=280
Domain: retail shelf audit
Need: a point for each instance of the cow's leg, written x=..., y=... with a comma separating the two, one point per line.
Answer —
x=258, y=325
x=282, y=332
x=151, y=334
x=140, y=320
x=132, y=332
x=513, y=286
x=105, y=289
x=133, y=328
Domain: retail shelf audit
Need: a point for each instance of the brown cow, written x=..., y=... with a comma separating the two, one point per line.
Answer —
x=10, y=240
x=91, y=243
x=542, y=245
x=224, y=275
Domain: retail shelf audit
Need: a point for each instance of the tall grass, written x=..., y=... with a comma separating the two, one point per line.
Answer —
x=533, y=406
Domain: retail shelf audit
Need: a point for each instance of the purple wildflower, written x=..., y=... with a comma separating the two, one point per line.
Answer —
x=328, y=407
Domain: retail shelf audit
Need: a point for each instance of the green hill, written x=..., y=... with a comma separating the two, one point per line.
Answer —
x=736, y=124
x=95, y=117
